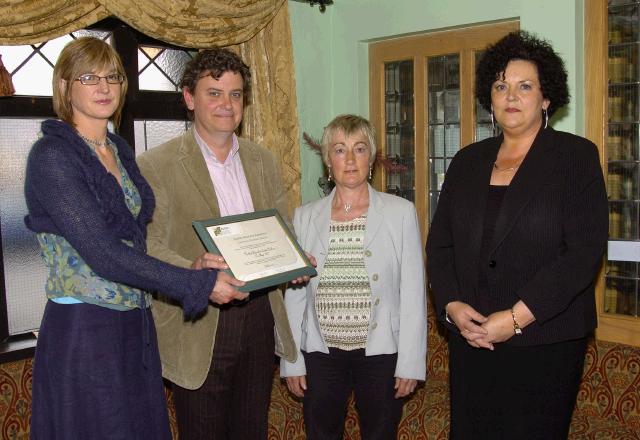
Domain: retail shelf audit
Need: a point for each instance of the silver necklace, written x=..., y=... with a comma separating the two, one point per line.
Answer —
x=348, y=206
x=94, y=142
x=505, y=170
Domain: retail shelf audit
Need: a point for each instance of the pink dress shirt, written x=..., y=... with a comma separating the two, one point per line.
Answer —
x=228, y=178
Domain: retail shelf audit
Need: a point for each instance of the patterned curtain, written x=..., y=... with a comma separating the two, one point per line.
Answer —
x=271, y=119
x=259, y=28
x=190, y=23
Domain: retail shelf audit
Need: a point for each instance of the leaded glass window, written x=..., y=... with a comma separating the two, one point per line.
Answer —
x=161, y=68
x=31, y=65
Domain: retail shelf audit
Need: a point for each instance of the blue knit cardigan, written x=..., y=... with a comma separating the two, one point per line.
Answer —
x=70, y=193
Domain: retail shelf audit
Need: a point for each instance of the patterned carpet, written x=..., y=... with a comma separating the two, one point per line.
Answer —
x=608, y=402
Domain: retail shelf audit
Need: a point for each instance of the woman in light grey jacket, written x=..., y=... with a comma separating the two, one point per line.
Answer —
x=361, y=323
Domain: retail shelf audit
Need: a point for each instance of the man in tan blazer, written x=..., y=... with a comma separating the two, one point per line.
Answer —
x=221, y=363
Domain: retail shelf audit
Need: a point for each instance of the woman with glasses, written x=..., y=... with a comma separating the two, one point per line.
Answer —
x=97, y=369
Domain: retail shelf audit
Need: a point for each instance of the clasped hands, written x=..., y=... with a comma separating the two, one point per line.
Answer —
x=484, y=331
x=225, y=289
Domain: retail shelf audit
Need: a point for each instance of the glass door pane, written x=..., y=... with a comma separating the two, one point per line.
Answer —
x=399, y=129
x=484, y=127
x=443, y=85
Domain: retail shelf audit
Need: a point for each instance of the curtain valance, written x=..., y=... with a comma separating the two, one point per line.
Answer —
x=189, y=23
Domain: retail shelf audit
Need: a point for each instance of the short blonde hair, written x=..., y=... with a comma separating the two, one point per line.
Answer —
x=80, y=56
x=348, y=125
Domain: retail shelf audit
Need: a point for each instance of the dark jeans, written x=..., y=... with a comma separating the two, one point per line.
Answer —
x=330, y=379
x=233, y=402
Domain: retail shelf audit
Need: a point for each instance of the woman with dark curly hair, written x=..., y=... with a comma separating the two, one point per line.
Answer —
x=513, y=250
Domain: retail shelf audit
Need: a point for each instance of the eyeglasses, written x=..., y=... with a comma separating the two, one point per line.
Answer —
x=91, y=80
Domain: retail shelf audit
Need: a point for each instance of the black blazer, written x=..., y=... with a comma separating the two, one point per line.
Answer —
x=549, y=238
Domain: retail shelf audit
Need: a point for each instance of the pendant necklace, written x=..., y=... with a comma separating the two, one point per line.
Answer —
x=347, y=207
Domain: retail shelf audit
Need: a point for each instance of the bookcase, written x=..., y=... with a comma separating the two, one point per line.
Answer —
x=612, y=78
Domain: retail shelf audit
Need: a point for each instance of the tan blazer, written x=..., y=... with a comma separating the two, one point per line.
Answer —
x=181, y=183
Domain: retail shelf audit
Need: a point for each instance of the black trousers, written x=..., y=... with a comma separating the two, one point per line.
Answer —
x=330, y=380
x=233, y=402
x=524, y=393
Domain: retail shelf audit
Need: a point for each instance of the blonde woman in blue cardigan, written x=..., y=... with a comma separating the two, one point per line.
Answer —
x=361, y=323
x=97, y=371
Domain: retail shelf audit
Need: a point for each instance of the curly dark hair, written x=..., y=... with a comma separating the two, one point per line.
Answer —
x=216, y=61
x=521, y=45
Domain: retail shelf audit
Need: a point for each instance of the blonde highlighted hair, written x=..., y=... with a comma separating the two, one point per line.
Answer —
x=80, y=56
x=348, y=125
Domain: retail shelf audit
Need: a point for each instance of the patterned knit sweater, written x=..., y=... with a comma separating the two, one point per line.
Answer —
x=343, y=299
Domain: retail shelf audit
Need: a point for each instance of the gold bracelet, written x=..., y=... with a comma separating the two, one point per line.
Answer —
x=516, y=328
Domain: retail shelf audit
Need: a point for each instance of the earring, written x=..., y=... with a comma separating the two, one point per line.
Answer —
x=545, y=115
x=328, y=174
x=370, y=170
x=493, y=124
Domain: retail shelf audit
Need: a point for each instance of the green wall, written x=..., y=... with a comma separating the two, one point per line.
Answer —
x=331, y=52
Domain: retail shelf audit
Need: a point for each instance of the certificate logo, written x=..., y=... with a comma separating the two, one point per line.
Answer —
x=225, y=230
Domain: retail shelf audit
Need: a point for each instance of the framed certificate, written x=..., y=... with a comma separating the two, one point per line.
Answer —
x=258, y=247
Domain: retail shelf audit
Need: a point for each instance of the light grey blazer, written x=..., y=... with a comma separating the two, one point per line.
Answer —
x=395, y=264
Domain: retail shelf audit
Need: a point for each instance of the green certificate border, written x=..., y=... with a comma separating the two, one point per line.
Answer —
x=272, y=280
